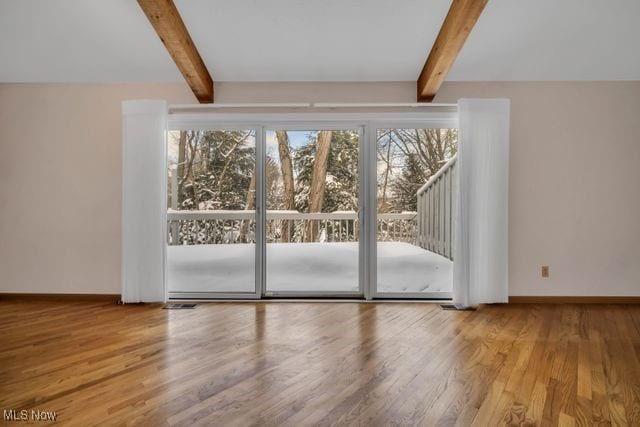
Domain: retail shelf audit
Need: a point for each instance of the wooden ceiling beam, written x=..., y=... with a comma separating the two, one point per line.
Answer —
x=462, y=16
x=167, y=22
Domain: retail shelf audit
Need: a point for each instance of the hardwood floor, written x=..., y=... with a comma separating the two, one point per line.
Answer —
x=317, y=363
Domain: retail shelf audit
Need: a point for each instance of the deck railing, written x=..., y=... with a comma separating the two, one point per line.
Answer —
x=435, y=211
x=238, y=226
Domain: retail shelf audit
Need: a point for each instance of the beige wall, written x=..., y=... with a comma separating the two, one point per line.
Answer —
x=574, y=181
x=574, y=185
x=60, y=184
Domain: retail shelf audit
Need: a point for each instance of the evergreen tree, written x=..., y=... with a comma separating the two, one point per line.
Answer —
x=217, y=170
x=405, y=187
x=341, y=187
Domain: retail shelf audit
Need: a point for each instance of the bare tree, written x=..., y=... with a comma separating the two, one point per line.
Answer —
x=416, y=154
x=384, y=154
x=432, y=146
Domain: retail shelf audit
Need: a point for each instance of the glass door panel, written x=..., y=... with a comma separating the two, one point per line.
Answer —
x=211, y=218
x=312, y=226
x=415, y=172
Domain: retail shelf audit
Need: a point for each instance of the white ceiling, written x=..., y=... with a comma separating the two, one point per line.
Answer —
x=289, y=40
x=553, y=40
x=80, y=41
x=318, y=40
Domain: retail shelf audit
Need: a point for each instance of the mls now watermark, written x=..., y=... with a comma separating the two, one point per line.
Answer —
x=25, y=415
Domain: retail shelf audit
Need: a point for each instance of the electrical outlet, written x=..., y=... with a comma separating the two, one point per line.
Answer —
x=545, y=271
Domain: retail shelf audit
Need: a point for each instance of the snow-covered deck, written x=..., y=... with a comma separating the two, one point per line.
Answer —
x=312, y=267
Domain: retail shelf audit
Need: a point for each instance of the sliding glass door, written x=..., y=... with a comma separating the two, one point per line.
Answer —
x=212, y=228
x=311, y=210
x=313, y=201
x=415, y=172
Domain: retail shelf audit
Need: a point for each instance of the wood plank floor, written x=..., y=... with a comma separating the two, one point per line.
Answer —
x=318, y=363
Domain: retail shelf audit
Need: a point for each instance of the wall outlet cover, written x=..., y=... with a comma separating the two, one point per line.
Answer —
x=545, y=271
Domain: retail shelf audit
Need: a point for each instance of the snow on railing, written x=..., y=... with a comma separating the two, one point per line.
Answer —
x=397, y=227
x=435, y=211
x=238, y=226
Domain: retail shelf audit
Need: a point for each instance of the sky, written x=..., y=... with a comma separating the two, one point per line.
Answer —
x=297, y=139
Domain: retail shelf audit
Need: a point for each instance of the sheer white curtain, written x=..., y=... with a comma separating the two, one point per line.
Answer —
x=481, y=271
x=144, y=175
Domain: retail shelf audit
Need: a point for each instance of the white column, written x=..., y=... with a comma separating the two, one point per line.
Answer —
x=144, y=126
x=481, y=251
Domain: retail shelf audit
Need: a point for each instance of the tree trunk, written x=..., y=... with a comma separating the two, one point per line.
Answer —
x=383, y=202
x=182, y=147
x=251, y=204
x=318, y=180
x=286, y=168
x=192, y=144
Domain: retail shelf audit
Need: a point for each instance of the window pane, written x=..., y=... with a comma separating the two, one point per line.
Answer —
x=211, y=211
x=414, y=220
x=312, y=211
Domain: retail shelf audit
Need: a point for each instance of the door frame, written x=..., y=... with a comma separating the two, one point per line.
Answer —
x=360, y=293
x=368, y=124
x=258, y=258
x=372, y=196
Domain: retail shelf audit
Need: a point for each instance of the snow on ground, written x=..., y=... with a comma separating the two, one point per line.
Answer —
x=320, y=267
x=403, y=267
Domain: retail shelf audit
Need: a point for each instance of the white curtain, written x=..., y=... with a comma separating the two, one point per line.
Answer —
x=144, y=125
x=480, y=272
